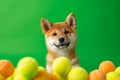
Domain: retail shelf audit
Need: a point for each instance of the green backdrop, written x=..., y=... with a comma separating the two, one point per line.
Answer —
x=98, y=29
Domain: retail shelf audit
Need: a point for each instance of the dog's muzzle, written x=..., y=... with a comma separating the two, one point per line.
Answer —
x=62, y=43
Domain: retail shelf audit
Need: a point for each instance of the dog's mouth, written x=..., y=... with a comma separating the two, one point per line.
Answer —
x=61, y=45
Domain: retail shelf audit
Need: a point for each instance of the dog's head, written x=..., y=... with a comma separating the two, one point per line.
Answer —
x=60, y=35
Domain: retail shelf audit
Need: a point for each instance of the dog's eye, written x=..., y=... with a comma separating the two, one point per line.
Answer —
x=54, y=34
x=66, y=32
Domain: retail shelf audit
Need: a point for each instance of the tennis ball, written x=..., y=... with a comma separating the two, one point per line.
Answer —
x=16, y=72
x=96, y=75
x=78, y=73
x=20, y=77
x=61, y=66
x=106, y=66
x=6, y=68
x=117, y=69
x=113, y=76
x=28, y=67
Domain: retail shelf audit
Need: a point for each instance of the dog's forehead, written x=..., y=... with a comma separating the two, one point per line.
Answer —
x=59, y=25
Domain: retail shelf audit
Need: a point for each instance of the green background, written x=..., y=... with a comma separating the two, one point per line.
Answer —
x=98, y=29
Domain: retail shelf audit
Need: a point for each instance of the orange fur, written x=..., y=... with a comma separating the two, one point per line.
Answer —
x=53, y=32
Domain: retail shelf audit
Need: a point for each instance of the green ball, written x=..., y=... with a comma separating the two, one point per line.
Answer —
x=78, y=73
x=61, y=66
x=28, y=67
x=113, y=76
x=117, y=69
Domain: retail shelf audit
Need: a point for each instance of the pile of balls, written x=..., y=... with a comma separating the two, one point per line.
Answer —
x=29, y=69
x=106, y=71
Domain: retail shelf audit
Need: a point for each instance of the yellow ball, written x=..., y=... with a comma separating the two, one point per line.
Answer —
x=61, y=66
x=117, y=69
x=20, y=77
x=113, y=76
x=28, y=67
x=78, y=73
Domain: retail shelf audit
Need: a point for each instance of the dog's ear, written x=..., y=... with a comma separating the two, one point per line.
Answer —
x=71, y=20
x=45, y=24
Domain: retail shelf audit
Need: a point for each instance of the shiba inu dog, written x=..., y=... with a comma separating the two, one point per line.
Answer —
x=60, y=40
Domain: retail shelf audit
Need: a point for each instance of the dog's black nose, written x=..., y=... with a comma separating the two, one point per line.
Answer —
x=61, y=40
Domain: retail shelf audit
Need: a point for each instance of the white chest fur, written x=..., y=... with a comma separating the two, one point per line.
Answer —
x=62, y=52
